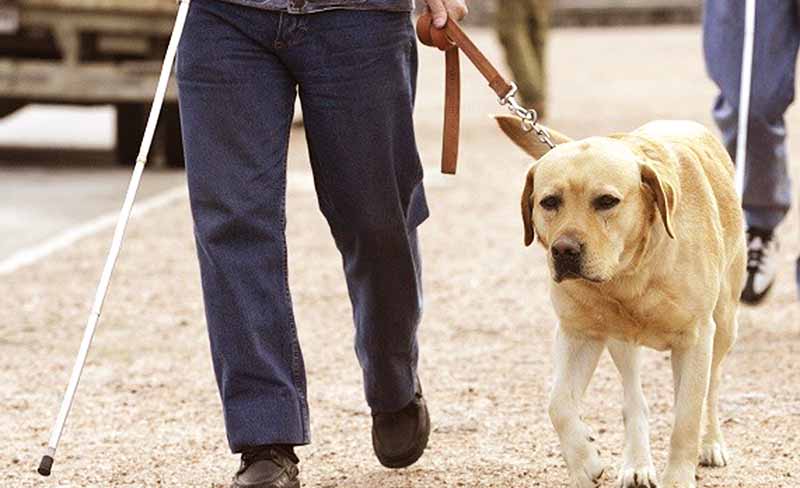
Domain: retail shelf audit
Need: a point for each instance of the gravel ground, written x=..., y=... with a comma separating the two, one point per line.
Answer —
x=147, y=412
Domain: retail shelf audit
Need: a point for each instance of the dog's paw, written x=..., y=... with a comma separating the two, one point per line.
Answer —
x=678, y=478
x=589, y=480
x=714, y=455
x=641, y=477
x=678, y=484
x=589, y=473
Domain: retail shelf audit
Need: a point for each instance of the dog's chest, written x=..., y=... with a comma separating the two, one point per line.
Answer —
x=654, y=319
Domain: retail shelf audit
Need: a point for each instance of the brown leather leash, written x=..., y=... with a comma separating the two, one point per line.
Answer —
x=450, y=39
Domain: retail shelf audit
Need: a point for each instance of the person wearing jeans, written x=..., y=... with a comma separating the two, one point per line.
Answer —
x=240, y=65
x=767, y=188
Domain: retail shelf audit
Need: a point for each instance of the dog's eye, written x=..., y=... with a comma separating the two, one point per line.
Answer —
x=550, y=203
x=605, y=202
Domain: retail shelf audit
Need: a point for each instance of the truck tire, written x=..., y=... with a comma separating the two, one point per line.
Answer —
x=131, y=119
x=8, y=107
x=167, y=146
x=171, y=131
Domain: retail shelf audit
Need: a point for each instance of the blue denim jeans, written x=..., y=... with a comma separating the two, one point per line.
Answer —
x=239, y=70
x=767, y=188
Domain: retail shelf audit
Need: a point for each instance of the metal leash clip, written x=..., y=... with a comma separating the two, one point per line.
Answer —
x=528, y=117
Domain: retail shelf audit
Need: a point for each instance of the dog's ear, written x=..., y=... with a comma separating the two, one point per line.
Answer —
x=527, y=140
x=662, y=181
x=659, y=171
x=527, y=206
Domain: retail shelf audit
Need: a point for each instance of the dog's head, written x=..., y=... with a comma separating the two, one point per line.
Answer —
x=592, y=203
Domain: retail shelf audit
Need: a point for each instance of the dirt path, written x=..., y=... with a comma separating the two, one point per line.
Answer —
x=147, y=413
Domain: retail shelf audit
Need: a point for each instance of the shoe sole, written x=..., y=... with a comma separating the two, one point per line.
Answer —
x=293, y=484
x=413, y=456
x=753, y=298
x=797, y=276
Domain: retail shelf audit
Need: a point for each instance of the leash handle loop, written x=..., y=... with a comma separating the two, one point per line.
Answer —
x=452, y=35
x=431, y=36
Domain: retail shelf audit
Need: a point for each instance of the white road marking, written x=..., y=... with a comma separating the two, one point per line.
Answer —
x=30, y=255
x=299, y=181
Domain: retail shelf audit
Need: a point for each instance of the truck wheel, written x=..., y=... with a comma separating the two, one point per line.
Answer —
x=171, y=132
x=167, y=146
x=131, y=119
x=8, y=107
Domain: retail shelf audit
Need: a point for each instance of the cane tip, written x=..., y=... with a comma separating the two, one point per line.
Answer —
x=46, y=465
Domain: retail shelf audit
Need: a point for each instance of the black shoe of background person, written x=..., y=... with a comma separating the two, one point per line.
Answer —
x=268, y=467
x=762, y=256
x=797, y=276
x=399, y=438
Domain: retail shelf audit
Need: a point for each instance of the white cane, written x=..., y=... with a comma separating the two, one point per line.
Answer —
x=744, y=93
x=116, y=244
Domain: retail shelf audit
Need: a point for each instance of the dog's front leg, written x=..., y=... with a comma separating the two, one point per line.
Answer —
x=575, y=361
x=691, y=371
x=637, y=466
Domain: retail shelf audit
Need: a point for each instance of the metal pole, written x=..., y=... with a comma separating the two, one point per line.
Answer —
x=116, y=244
x=744, y=92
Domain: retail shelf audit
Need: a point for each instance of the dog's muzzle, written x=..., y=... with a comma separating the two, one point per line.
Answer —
x=567, y=253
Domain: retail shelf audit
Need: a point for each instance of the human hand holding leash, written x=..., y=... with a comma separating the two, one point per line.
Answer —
x=444, y=9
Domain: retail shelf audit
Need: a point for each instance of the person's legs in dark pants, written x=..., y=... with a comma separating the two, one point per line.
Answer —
x=236, y=102
x=238, y=68
x=357, y=76
x=767, y=190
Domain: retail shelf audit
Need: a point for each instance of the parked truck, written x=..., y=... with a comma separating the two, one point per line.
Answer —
x=92, y=52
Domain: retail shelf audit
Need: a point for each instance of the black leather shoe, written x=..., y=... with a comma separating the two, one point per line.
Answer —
x=400, y=438
x=268, y=467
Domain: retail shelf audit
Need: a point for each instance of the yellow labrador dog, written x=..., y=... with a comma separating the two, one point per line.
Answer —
x=645, y=243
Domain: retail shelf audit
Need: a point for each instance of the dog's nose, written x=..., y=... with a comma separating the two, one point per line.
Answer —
x=566, y=248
